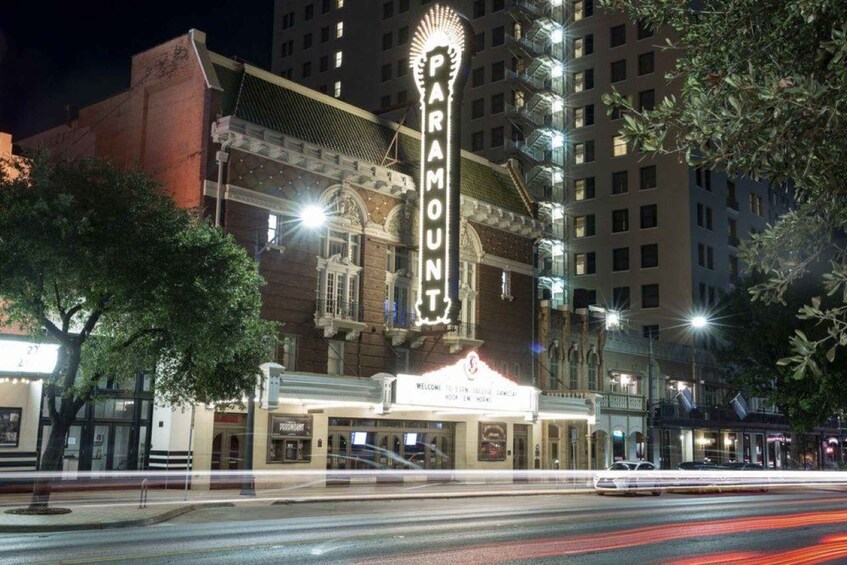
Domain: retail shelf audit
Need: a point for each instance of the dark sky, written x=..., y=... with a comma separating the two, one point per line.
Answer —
x=54, y=53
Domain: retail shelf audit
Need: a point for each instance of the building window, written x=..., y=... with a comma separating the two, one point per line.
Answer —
x=618, y=70
x=339, y=58
x=309, y=12
x=649, y=296
x=701, y=255
x=704, y=217
x=620, y=182
x=617, y=36
x=498, y=5
x=477, y=141
x=479, y=42
x=619, y=146
x=477, y=108
x=339, y=4
x=732, y=232
x=583, y=152
x=592, y=371
x=498, y=36
x=620, y=298
x=646, y=63
x=583, y=189
x=583, y=116
x=756, y=204
x=324, y=34
x=650, y=331
x=644, y=31
x=307, y=41
x=286, y=352
x=710, y=258
x=583, y=80
x=703, y=178
x=467, y=294
x=647, y=100
x=497, y=137
x=731, y=200
x=276, y=226
x=584, y=263
x=497, y=103
x=385, y=101
x=582, y=9
x=339, y=30
x=649, y=216
x=287, y=48
x=387, y=10
x=648, y=177
x=402, y=67
x=573, y=370
x=583, y=46
x=335, y=357
x=336, y=89
x=554, y=368
x=403, y=35
x=324, y=64
x=733, y=268
x=498, y=71
x=325, y=6
x=307, y=69
x=506, y=285
x=404, y=6
x=620, y=259
x=386, y=72
x=620, y=220
x=387, y=41
x=399, y=296
x=402, y=96
x=478, y=76
x=650, y=256
x=287, y=20
x=478, y=8
x=584, y=226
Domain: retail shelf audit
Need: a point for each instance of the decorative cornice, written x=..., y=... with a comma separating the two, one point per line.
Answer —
x=276, y=146
x=499, y=218
x=506, y=264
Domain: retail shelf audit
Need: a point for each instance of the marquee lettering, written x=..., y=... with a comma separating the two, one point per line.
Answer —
x=439, y=61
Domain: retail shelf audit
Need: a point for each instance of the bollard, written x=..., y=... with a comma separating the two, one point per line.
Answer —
x=142, y=503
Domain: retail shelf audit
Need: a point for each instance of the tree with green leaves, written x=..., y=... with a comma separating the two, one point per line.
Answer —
x=101, y=262
x=762, y=91
x=756, y=337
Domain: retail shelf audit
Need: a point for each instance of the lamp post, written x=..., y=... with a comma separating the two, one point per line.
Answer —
x=312, y=217
x=698, y=323
x=650, y=363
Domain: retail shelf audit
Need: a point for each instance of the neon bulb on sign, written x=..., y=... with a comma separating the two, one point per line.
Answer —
x=439, y=61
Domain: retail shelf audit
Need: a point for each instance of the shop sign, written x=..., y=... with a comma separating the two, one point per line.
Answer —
x=453, y=387
x=10, y=427
x=439, y=59
x=27, y=357
x=492, y=441
x=291, y=426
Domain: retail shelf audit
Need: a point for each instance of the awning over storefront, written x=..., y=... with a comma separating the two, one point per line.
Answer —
x=467, y=387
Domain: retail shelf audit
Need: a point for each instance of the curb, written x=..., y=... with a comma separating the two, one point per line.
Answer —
x=79, y=526
x=430, y=496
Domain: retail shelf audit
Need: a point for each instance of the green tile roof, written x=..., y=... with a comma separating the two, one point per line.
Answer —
x=312, y=118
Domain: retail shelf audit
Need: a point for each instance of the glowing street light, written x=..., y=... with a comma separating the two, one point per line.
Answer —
x=313, y=216
x=613, y=320
x=557, y=35
x=699, y=322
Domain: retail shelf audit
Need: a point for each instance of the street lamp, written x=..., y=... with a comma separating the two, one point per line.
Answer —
x=699, y=322
x=312, y=216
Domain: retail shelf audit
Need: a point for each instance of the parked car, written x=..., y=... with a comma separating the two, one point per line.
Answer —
x=628, y=477
x=707, y=479
x=759, y=484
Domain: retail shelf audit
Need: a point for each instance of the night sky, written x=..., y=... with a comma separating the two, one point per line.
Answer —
x=54, y=53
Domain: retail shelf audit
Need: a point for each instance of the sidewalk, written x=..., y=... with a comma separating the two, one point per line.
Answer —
x=91, y=510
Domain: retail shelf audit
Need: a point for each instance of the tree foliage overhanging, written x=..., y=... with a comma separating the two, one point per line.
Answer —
x=762, y=91
x=103, y=263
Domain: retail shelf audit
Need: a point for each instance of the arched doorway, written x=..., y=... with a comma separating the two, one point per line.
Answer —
x=619, y=452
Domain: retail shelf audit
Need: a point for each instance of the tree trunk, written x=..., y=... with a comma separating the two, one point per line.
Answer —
x=51, y=461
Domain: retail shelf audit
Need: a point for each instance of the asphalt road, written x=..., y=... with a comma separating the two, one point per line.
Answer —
x=776, y=527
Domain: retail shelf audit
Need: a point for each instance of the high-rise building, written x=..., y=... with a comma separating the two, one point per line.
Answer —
x=648, y=236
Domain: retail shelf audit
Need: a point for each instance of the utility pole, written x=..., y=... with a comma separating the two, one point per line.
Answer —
x=650, y=362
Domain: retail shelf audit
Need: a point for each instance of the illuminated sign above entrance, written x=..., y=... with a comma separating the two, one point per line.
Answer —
x=439, y=61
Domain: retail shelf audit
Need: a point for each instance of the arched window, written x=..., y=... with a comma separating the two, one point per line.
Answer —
x=555, y=380
x=573, y=369
x=592, y=371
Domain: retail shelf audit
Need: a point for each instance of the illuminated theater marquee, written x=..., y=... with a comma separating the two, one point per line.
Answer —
x=439, y=62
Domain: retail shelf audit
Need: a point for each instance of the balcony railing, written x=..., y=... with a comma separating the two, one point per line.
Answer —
x=620, y=401
x=712, y=413
x=338, y=309
x=400, y=319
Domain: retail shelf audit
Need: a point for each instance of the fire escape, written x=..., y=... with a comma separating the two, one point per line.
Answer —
x=538, y=140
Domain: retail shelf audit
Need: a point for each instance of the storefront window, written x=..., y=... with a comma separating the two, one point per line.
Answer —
x=492, y=441
x=289, y=439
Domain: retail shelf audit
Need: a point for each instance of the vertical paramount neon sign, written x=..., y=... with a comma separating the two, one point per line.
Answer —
x=439, y=62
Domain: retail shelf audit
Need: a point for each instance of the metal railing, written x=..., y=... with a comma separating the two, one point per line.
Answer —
x=399, y=319
x=339, y=309
x=620, y=401
x=463, y=330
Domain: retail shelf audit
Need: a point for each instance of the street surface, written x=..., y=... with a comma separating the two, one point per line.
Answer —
x=777, y=527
